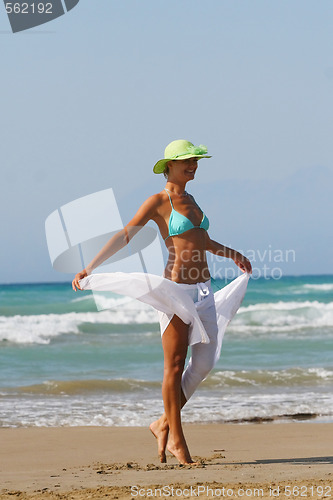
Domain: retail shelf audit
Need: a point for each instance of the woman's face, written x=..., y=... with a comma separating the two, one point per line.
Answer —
x=182, y=170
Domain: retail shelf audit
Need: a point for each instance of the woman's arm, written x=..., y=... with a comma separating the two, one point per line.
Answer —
x=146, y=212
x=240, y=260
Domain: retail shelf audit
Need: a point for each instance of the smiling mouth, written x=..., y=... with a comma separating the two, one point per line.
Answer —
x=190, y=171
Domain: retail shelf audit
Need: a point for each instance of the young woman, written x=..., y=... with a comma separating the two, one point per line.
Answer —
x=183, y=226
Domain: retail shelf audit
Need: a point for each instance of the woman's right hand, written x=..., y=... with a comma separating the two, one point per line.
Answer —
x=79, y=276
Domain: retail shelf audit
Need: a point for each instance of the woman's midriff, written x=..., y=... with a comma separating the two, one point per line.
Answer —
x=187, y=258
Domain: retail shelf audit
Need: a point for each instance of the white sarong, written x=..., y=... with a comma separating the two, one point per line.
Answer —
x=171, y=298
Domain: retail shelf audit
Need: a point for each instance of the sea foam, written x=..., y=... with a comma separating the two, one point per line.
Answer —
x=41, y=328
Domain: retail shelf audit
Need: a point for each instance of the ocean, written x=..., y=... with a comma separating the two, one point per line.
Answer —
x=64, y=363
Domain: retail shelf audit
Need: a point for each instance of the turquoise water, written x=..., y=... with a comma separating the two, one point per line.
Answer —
x=64, y=363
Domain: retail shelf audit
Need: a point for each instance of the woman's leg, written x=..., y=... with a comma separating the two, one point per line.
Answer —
x=200, y=364
x=160, y=429
x=175, y=344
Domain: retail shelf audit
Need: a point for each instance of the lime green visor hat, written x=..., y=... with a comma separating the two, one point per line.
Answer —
x=180, y=150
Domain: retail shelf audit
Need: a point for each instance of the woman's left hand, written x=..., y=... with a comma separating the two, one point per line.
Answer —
x=243, y=263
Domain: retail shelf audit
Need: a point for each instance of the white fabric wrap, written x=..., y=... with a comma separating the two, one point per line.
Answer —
x=169, y=298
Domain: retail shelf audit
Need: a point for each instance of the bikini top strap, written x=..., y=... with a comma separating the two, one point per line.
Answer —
x=165, y=189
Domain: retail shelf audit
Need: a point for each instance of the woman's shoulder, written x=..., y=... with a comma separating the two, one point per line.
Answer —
x=154, y=202
x=157, y=198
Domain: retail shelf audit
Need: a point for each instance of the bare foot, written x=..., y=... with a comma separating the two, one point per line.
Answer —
x=181, y=453
x=161, y=432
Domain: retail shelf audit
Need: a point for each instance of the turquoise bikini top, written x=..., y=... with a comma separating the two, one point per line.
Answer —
x=179, y=224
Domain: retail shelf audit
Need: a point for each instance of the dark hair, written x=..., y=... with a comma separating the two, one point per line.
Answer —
x=166, y=171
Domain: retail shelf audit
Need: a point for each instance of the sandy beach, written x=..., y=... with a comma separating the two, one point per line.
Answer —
x=253, y=460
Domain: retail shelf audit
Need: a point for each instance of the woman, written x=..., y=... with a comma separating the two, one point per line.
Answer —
x=184, y=227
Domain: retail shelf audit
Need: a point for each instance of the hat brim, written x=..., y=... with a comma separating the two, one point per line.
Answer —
x=159, y=167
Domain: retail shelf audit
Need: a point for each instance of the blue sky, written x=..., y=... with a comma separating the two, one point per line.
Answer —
x=90, y=100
